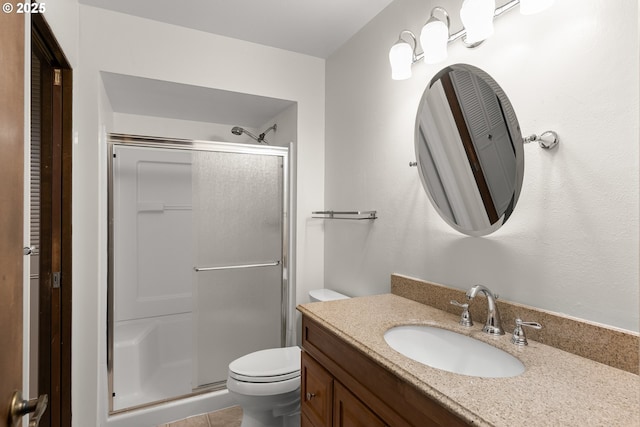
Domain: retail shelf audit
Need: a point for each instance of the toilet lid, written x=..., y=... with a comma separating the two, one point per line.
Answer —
x=274, y=364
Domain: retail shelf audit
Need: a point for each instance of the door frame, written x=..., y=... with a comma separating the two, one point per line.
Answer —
x=54, y=364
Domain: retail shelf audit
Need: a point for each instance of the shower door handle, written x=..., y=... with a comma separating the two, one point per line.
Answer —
x=232, y=267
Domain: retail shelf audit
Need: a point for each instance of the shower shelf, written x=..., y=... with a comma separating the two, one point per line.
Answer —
x=353, y=215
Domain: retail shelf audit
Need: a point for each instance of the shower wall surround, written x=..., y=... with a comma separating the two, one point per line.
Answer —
x=571, y=245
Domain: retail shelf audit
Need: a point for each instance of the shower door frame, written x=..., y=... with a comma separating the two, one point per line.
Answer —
x=288, y=235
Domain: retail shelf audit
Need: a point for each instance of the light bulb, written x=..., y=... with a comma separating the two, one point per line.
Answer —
x=530, y=7
x=434, y=38
x=477, y=18
x=401, y=59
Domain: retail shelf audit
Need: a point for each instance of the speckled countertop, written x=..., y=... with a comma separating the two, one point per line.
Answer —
x=556, y=389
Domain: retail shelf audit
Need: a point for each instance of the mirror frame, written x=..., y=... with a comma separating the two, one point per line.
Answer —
x=513, y=129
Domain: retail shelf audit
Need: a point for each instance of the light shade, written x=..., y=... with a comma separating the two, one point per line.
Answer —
x=434, y=38
x=529, y=7
x=477, y=18
x=401, y=59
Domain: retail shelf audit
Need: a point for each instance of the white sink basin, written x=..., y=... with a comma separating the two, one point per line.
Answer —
x=453, y=352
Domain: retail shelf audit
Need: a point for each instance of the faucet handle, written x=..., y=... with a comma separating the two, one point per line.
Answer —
x=465, y=317
x=519, y=337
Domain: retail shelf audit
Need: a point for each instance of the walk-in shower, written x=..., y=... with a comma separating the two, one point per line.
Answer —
x=237, y=130
x=198, y=260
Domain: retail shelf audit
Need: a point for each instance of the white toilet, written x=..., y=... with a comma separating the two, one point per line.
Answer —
x=266, y=383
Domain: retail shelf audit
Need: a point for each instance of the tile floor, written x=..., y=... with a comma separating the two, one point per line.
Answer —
x=229, y=417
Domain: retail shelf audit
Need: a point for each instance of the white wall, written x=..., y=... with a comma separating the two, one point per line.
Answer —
x=287, y=130
x=62, y=17
x=129, y=45
x=134, y=124
x=571, y=245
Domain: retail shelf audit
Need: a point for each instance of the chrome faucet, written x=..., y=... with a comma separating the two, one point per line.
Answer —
x=493, y=325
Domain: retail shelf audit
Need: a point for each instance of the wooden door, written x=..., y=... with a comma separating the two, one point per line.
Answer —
x=12, y=53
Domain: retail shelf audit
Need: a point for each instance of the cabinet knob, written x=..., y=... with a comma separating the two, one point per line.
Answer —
x=310, y=395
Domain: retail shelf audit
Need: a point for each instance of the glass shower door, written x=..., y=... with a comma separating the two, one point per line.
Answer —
x=197, y=263
x=238, y=277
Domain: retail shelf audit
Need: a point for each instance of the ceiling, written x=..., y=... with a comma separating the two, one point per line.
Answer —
x=312, y=27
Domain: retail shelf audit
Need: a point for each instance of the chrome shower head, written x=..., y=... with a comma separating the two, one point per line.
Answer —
x=237, y=130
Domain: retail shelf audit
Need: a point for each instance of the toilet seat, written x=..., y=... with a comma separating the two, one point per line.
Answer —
x=264, y=379
x=263, y=389
x=267, y=366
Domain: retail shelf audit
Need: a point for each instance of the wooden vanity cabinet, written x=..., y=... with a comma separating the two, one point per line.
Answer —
x=342, y=387
x=326, y=402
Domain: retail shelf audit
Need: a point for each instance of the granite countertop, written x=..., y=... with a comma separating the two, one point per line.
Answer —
x=557, y=388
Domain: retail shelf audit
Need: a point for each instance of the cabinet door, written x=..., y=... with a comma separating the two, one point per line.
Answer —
x=317, y=392
x=304, y=421
x=349, y=411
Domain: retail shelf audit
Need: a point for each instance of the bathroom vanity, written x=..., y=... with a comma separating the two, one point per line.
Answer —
x=341, y=386
x=351, y=377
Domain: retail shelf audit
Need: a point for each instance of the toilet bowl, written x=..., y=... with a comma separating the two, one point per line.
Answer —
x=266, y=383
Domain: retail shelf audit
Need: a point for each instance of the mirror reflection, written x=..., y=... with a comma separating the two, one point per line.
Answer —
x=469, y=149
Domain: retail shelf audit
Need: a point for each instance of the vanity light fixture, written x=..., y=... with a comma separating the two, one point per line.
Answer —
x=477, y=17
x=402, y=55
x=434, y=37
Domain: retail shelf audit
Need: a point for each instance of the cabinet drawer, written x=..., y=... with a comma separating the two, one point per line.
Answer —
x=317, y=392
x=349, y=411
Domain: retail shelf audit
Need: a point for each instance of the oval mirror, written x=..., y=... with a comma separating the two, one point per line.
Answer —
x=469, y=149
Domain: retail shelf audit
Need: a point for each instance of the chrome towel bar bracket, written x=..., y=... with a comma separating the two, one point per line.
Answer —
x=547, y=140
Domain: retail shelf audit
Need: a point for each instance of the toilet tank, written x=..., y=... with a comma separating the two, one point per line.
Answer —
x=325, y=295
